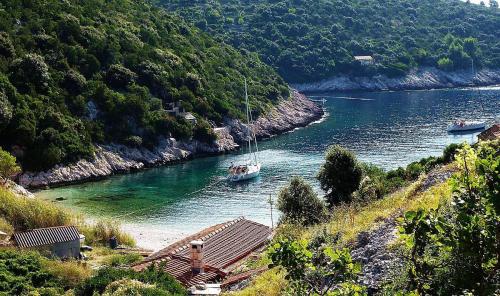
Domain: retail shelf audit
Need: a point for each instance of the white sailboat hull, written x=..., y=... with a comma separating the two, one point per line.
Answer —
x=252, y=172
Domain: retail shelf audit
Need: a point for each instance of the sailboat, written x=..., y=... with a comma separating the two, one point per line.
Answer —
x=251, y=168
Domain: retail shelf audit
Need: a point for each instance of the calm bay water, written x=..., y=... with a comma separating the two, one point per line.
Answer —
x=390, y=129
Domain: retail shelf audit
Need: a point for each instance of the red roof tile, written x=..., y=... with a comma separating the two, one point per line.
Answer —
x=490, y=134
x=225, y=244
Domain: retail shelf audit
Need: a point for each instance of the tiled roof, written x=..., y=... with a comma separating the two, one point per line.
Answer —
x=490, y=134
x=46, y=236
x=225, y=245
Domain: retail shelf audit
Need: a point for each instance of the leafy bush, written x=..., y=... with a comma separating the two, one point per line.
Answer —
x=204, y=132
x=299, y=203
x=454, y=252
x=316, y=271
x=23, y=273
x=128, y=287
x=8, y=165
x=340, y=175
x=118, y=260
x=152, y=276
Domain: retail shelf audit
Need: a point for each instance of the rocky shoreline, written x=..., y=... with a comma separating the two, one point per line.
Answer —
x=424, y=78
x=117, y=158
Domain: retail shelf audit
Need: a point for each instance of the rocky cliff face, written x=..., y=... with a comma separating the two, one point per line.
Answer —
x=285, y=117
x=117, y=158
x=425, y=78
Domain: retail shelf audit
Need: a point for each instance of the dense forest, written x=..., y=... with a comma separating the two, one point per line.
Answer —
x=74, y=73
x=313, y=39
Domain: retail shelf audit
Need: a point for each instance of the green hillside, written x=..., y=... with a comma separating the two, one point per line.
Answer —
x=75, y=72
x=313, y=39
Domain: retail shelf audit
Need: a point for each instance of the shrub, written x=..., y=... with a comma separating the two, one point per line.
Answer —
x=31, y=73
x=100, y=233
x=118, y=260
x=23, y=273
x=118, y=76
x=450, y=151
x=445, y=64
x=456, y=250
x=5, y=111
x=152, y=275
x=128, y=287
x=133, y=141
x=203, y=132
x=316, y=271
x=299, y=203
x=6, y=48
x=74, y=82
x=68, y=273
x=8, y=165
x=340, y=175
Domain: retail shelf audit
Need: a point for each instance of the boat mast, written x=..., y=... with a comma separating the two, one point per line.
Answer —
x=255, y=140
x=248, y=117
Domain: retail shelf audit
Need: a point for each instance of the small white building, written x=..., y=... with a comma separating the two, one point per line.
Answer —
x=189, y=117
x=365, y=60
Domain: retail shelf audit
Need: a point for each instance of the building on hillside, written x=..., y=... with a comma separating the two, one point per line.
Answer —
x=61, y=241
x=175, y=108
x=365, y=60
x=189, y=117
x=490, y=134
x=207, y=258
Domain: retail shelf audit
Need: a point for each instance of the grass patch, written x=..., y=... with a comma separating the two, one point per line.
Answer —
x=269, y=283
x=100, y=233
x=27, y=213
x=69, y=273
x=18, y=213
x=117, y=260
x=350, y=220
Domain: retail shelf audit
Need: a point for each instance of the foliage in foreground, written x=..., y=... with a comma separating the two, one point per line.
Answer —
x=153, y=280
x=455, y=250
x=28, y=273
x=316, y=269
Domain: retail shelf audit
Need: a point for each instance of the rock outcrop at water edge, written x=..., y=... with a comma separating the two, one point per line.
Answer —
x=286, y=116
x=424, y=78
x=117, y=158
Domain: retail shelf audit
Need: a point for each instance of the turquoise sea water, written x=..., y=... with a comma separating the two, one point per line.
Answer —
x=389, y=129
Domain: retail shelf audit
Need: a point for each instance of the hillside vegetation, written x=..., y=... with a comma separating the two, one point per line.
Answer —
x=436, y=236
x=74, y=73
x=314, y=39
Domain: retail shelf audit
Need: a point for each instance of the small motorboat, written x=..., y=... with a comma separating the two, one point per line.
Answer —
x=462, y=126
x=250, y=169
